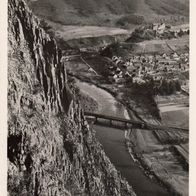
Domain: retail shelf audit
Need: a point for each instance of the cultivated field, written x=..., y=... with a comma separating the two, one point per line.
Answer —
x=158, y=46
x=69, y=32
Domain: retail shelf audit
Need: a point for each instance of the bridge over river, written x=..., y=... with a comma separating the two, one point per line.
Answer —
x=127, y=123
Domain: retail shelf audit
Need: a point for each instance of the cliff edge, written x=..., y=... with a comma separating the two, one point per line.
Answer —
x=51, y=148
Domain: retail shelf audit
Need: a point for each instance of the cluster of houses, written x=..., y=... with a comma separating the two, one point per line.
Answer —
x=139, y=67
x=164, y=31
x=162, y=28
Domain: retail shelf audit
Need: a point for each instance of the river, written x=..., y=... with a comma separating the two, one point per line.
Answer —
x=113, y=142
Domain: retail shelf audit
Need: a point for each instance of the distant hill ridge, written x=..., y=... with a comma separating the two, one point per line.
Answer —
x=111, y=12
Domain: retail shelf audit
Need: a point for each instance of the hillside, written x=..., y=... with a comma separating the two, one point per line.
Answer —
x=51, y=149
x=121, y=13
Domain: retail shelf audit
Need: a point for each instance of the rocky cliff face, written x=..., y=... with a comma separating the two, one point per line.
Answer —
x=51, y=149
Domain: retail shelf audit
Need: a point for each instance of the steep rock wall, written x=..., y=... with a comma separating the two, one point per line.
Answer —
x=51, y=149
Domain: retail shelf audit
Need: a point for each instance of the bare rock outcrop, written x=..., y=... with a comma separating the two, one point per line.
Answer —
x=51, y=149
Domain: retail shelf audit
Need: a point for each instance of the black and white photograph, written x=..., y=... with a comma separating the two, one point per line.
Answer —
x=97, y=97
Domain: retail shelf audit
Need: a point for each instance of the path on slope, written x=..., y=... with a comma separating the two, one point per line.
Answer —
x=113, y=142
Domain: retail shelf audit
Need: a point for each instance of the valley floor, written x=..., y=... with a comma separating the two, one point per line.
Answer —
x=174, y=111
x=69, y=32
x=163, y=155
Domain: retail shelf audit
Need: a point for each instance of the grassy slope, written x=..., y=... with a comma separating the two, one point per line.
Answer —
x=174, y=7
x=108, y=12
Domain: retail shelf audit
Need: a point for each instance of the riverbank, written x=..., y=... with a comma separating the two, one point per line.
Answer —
x=114, y=146
x=157, y=158
x=159, y=161
x=164, y=154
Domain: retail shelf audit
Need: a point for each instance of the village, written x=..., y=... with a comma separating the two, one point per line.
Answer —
x=158, y=31
x=139, y=68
